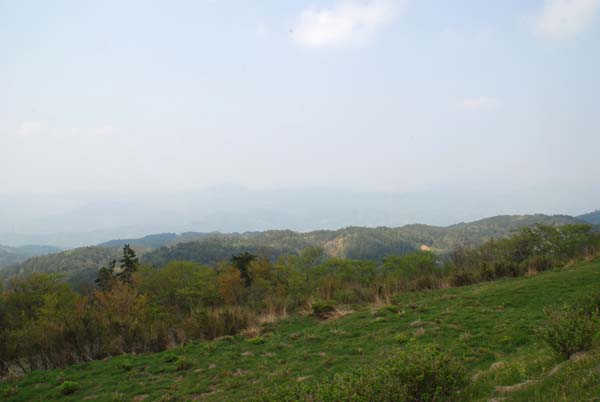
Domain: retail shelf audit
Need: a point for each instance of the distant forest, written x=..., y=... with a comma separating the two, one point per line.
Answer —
x=80, y=265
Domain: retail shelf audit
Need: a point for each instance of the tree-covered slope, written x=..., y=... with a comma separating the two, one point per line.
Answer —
x=79, y=265
x=15, y=255
x=593, y=218
x=352, y=242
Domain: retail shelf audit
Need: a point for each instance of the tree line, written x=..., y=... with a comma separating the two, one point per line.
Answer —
x=44, y=323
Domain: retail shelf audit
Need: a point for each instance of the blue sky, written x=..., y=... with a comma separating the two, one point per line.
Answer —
x=375, y=95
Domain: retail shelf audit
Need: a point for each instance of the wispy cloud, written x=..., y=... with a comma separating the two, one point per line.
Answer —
x=565, y=18
x=479, y=103
x=346, y=23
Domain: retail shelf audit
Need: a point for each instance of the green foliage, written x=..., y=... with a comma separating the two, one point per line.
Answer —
x=128, y=263
x=14, y=255
x=322, y=309
x=184, y=364
x=106, y=276
x=68, y=387
x=500, y=350
x=126, y=365
x=8, y=389
x=77, y=265
x=424, y=375
x=242, y=263
x=571, y=328
x=355, y=243
x=256, y=340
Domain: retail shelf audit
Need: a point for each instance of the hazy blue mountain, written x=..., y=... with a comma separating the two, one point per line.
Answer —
x=74, y=220
x=593, y=218
x=15, y=255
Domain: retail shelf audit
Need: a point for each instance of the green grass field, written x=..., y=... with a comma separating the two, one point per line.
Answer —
x=490, y=326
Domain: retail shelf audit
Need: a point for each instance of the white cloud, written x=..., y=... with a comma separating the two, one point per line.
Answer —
x=346, y=23
x=30, y=128
x=480, y=103
x=564, y=18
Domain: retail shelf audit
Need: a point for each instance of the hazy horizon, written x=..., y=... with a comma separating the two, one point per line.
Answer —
x=77, y=219
x=448, y=111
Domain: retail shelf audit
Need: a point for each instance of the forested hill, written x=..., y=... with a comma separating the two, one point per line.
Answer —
x=156, y=240
x=15, y=255
x=593, y=218
x=352, y=242
x=81, y=265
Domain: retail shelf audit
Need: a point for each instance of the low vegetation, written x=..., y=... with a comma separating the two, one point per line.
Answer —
x=572, y=327
x=490, y=329
x=424, y=375
x=344, y=314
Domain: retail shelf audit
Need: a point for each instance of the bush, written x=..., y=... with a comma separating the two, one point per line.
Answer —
x=426, y=375
x=571, y=328
x=540, y=263
x=461, y=277
x=68, y=387
x=322, y=310
x=184, y=364
x=126, y=365
x=426, y=282
x=8, y=389
x=256, y=340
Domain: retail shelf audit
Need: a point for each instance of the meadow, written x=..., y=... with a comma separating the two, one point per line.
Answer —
x=490, y=327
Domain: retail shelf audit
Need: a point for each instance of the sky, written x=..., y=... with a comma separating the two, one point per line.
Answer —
x=382, y=95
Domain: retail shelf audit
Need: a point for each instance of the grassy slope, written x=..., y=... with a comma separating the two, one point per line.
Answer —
x=483, y=324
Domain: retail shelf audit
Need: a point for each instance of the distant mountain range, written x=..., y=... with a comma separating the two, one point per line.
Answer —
x=76, y=220
x=593, y=218
x=81, y=265
x=15, y=255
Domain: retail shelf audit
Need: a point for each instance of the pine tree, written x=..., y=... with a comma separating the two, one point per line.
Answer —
x=129, y=263
x=106, y=276
x=242, y=263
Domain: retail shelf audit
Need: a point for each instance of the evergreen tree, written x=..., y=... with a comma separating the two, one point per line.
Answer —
x=242, y=263
x=129, y=263
x=105, y=276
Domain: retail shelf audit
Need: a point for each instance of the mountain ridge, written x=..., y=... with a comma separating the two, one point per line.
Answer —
x=354, y=242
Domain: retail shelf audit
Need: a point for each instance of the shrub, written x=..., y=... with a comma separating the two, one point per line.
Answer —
x=257, y=340
x=322, y=310
x=426, y=282
x=183, y=364
x=8, y=389
x=402, y=338
x=571, y=328
x=426, y=375
x=170, y=358
x=125, y=365
x=68, y=387
x=461, y=277
x=540, y=263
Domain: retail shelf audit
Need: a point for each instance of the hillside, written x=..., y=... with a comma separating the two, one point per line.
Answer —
x=352, y=242
x=488, y=326
x=79, y=265
x=15, y=255
x=593, y=218
x=155, y=240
